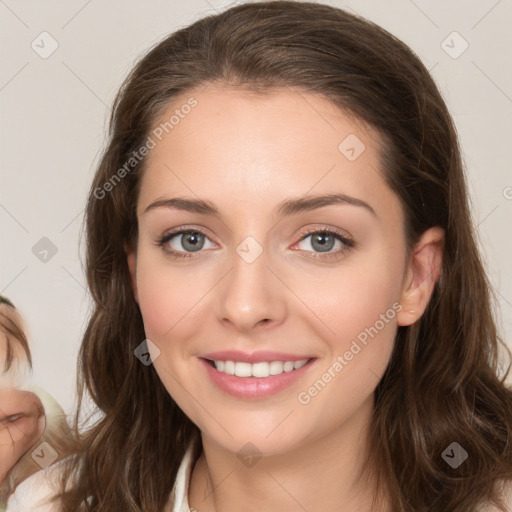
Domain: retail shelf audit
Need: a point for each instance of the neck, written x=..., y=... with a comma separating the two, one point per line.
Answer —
x=320, y=474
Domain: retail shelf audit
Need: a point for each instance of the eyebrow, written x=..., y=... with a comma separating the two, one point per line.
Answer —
x=291, y=206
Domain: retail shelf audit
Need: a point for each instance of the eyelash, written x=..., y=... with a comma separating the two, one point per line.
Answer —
x=347, y=242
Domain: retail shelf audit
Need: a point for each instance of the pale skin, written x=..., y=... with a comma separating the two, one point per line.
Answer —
x=246, y=153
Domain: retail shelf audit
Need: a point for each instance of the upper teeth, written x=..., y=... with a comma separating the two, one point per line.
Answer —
x=263, y=369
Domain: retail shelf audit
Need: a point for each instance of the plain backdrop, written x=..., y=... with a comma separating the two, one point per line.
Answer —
x=55, y=107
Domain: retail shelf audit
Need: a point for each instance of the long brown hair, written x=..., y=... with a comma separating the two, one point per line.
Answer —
x=442, y=384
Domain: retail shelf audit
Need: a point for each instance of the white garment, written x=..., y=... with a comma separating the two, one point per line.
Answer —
x=179, y=495
x=34, y=493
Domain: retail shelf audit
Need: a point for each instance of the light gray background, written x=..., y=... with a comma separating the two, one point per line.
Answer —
x=55, y=111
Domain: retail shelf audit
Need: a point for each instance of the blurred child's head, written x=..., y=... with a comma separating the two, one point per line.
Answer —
x=28, y=415
x=22, y=416
x=15, y=357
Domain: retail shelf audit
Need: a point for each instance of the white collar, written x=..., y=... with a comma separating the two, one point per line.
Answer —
x=179, y=495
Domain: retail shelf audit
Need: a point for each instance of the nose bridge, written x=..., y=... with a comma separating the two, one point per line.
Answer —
x=251, y=293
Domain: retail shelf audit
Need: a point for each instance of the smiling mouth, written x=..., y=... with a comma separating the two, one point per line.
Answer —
x=259, y=370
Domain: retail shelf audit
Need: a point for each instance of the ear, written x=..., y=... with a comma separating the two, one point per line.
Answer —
x=424, y=269
x=131, y=257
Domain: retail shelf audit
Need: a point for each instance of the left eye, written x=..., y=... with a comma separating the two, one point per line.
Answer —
x=324, y=241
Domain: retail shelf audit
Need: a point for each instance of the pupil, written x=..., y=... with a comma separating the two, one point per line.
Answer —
x=193, y=240
x=323, y=241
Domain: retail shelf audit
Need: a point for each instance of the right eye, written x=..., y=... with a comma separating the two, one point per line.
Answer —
x=192, y=240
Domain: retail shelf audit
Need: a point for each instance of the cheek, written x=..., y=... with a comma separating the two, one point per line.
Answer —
x=357, y=305
x=170, y=297
x=158, y=300
x=358, y=354
x=356, y=295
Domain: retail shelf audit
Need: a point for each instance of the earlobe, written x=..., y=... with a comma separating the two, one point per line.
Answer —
x=424, y=270
x=131, y=258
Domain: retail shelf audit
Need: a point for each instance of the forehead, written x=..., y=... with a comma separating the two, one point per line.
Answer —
x=243, y=117
x=260, y=146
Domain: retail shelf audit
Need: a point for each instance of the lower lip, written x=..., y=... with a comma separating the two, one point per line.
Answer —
x=255, y=387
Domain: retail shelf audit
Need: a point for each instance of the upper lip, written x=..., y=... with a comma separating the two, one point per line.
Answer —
x=254, y=357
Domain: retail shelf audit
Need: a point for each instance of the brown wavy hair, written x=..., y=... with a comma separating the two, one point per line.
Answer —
x=442, y=383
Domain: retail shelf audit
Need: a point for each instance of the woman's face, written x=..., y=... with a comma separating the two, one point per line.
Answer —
x=259, y=281
x=22, y=418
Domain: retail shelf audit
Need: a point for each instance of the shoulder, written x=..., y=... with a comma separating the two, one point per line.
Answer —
x=36, y=493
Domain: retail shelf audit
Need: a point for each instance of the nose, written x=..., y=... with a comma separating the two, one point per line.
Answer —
x=251, y=296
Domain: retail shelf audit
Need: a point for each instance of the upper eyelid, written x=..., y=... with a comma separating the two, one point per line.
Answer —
x=318, y=229
x=337, y=231
x=184, y=230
